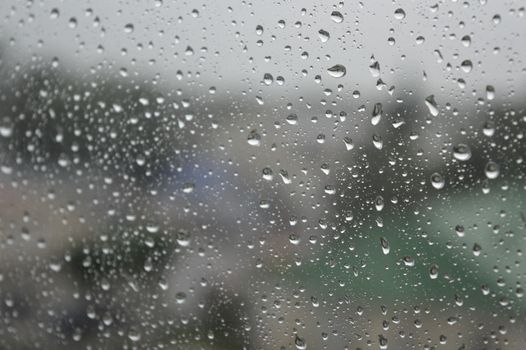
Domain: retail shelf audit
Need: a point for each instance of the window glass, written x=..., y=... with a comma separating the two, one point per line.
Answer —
x=262, y=175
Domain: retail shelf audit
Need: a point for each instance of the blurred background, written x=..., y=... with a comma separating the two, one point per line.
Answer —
x=238, y=175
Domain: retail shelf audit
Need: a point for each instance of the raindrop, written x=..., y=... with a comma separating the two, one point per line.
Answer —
x=348, y=143
x=377, y=141
x=300, y=343
x=324, y=35
x=337, y=17
x=267, y=174
x=377, y=114
x=466, y=66
x=432, y=105
x=399, y=14
x=409, y=261
x=492, y=170
x=462, y=152
x=180, y=297
x=385, y=245
x=437, y=181
x=490, y=92
x=268, y=79
x=433, y=272
x=489, y=128
x=128, y=28
x=337, y=71
x=254, y=139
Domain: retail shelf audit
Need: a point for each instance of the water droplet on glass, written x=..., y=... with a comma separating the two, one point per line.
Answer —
x=348, y=143
x=324, y=35
x=466, y=66
x=489, y=128
x=409, y=261
x=374, y=68
x=292, y=119
x=183, y=238
x=492, y=170
x=437, y=181
x=337, y=71
x=385, y=245
x=377, y=141
x=128, y=28
x=300, y=343
x=432, y=105
x=377, y=114
x=433, y=272
x=399, y=14
x=267, y=174
x=337, y=17
x=490, y=92
x=134, y=335
x=268, y=79
x=254, y=139
x=180, y=297
x=462, y=152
